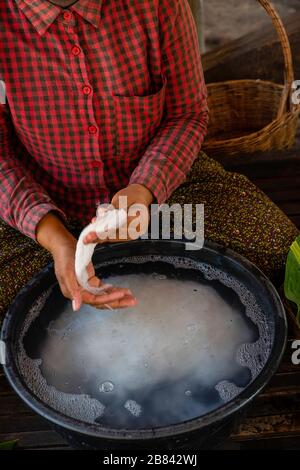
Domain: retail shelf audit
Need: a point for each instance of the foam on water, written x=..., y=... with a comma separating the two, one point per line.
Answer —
x=228, y=390
x=251, y=355
x=181, y=333
x=133, y=407
x=78, y=406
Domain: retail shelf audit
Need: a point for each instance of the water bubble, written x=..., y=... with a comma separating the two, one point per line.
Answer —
x=106, y=387
x=133, y=407
x=159, y=277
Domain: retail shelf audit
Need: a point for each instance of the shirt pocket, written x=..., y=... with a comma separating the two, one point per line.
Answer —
x=137, y=120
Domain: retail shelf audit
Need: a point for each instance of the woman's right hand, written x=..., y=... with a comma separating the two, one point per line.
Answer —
x=53, y=235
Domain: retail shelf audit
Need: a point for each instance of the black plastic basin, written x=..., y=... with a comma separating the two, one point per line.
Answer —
x=202, y=432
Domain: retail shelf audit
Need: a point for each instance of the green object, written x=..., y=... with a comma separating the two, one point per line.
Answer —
x=8, y=445
x=292, y=276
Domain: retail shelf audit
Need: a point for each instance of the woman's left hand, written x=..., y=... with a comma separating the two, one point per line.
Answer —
x=136, y=199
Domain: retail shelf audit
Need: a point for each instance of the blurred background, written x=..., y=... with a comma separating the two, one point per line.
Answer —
x=225, y=20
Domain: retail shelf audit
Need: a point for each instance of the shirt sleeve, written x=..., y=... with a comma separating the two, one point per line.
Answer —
x=170, y=155
x=23, y=202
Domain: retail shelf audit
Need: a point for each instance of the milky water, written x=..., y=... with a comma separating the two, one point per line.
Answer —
x=183, y=351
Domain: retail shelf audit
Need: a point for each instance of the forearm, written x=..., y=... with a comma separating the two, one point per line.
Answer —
x=23, y=202
x=52, y=234
x=170, y=155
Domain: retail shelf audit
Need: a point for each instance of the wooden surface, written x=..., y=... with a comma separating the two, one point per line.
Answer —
x=273, y=420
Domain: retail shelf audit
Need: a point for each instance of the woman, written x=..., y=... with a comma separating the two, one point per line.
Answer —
x=107, y=99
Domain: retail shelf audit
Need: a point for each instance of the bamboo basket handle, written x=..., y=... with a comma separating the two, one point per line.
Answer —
x=286, y=98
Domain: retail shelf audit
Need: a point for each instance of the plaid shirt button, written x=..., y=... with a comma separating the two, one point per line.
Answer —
x=76, y=50
x=67, y=15
x=87, y=90
x=93, y=130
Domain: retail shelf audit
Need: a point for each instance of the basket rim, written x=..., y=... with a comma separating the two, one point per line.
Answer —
x=211, y=143
x=242, y=81
x=285, y=104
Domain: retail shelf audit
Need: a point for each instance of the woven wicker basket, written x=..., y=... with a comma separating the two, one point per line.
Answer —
x=253, y=115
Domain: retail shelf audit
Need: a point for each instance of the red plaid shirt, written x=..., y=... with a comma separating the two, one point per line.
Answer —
x=100, y=95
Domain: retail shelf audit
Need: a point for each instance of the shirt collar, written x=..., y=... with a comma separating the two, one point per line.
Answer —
x=90, y=10
x=42, y=13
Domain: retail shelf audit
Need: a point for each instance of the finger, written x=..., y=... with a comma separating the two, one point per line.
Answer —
x=126, y=302
x=123, y=199
x=115, y=201
x=135, y=228
x=75, y=293
x=91, y=238
x=112, y=289
x=90, y=270
x=138, y=216
x=71, y=290
x=94, y=281
x=104, y=298
x=139, y=228
x=118, y=236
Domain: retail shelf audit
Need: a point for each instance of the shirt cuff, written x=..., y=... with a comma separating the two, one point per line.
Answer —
x=154, y=181
x=35, y=215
